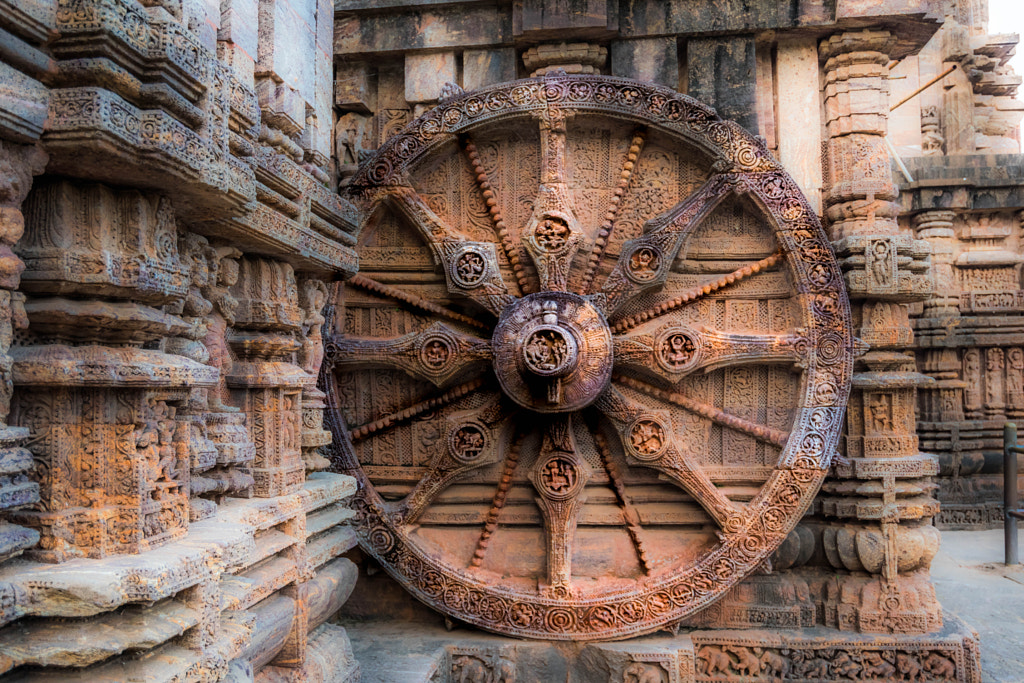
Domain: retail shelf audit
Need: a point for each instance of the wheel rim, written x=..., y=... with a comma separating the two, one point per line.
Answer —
x=591, y=374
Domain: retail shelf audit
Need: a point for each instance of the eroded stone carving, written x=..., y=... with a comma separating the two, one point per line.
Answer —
x=573, y=349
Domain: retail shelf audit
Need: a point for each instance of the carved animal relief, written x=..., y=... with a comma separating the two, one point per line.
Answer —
x=595, y=361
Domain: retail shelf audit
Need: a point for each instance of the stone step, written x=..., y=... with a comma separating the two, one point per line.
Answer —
x=14, y=539
x=81, y=642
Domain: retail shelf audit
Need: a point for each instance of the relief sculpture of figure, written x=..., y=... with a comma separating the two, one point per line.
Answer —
x=641, y=673
x=1015, y=382
x=12, y=316
x=314, y=298
x=972, y=376
x=222, y=277
x=880, y=259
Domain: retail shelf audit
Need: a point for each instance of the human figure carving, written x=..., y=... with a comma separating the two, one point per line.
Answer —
x=552, y=233
x=147, y=444
x=972, y=376
x=314, y=297
x=644, y=263
x=349, y=136
x=168, y=464
x=221, y=318
x=470, y=267
x=880, y=257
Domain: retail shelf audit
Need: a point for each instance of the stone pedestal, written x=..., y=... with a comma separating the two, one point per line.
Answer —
x=427, y=651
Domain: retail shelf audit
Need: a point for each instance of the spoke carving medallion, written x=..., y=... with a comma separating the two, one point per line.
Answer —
x=594, y=365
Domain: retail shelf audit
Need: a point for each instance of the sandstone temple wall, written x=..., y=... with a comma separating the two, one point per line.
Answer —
x=962, y=193
x=180, y=222
x=170, y=234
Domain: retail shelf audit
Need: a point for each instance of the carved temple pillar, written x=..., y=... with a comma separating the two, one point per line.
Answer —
x=313, y=294
x=112, y=457
x=878, y=503
x=20, y=163
x=262, y=380
x=225, y=424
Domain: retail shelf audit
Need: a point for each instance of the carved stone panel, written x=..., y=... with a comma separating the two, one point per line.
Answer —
x=593, y=367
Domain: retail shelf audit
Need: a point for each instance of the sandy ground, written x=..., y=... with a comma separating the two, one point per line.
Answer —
x=972, y=582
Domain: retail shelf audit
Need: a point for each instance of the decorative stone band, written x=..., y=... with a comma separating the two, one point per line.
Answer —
x=60, y=366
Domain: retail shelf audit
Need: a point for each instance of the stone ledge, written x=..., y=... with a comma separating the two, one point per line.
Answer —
x=264, y=229
x=84, y=587
x=225, y=543
x=79, y=643
x=330, y=545
x=98, y=134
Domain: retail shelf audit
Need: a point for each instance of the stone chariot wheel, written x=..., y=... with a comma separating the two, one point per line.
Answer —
x=594, y=365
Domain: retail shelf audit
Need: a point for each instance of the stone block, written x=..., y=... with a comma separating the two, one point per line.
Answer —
x=653, y=60
x=722, y=74
x=425, y=75
x=282, y=105
x=78, y=643
x=545, y=19
x=355, y=87
x=572, y=58
x=456, y=27
x=287, y=39
x=486, y=67
x=239, y=25
x=242, y=63
x=798, y=107
x=305, y=10
x=32, y=19
x=23, y=104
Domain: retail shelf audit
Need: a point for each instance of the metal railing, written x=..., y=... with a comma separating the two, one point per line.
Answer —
x=1010, y=502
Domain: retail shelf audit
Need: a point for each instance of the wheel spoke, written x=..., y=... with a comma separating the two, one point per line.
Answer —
x=674, y=351
x=470, y=268
x=472, y=442
x=648, y=441
x=552, y=236
x=645, y=261
x=437, y=354
x=629, y=514
x=508, y=469
x=559, y=476
x=605, y=231
x=419, y=302
x=776, y=437
x=491, y=200
x=696, y=293
x=399, y=416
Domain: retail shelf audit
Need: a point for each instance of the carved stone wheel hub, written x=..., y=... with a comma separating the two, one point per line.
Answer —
x=594, y=365
x=552, y=352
